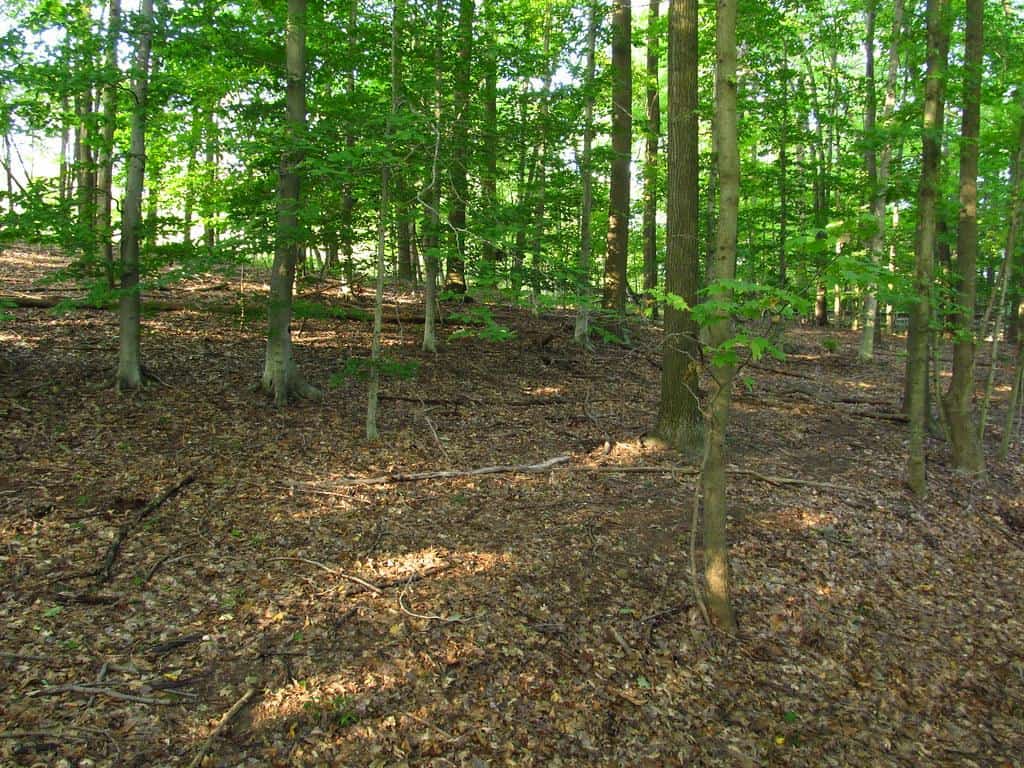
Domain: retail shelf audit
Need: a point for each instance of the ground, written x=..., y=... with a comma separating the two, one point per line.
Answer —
x=528, y=619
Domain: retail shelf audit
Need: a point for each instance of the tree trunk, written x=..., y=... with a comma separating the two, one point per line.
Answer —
x=129, y=368
x=455, y=279
x=650, y=223
x=489, y=178
x=784, y=169
x=539, y=186
x=622, y=140
x=968, y=454
x=432, y=235
x=281, y=378
x=716, y=551
x=679, y=415
x=924, y=251
x=582, y=331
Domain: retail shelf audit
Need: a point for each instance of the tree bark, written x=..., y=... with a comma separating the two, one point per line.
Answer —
x=650, y=222
x=489, y=178
x=455, y=280
x=432, y=233
x=281, y=377
x=105, y=161
x=622, y=139
x=924, y=251
x=679, y=415
x=129, y=368
x=582, y=330
x=968, y=454
x=716, y=550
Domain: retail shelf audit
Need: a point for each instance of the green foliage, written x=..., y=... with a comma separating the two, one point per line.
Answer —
x=338, y=711
x=483, y=325
x=304, y=309
x=362, y=368
x=830, y=344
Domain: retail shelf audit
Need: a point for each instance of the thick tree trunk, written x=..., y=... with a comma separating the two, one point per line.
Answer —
x=129, y=368
x=582, y=330
x=622, y=140
x=924, y=252
x=650, y=223
x=679, y=415
x=716, y=550
x=968, y=454
x=281, y=378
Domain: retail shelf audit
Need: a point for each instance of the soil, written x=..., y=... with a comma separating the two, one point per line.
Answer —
x=528, y=619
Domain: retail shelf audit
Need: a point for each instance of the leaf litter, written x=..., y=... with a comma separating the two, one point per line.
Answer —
x=505, y=619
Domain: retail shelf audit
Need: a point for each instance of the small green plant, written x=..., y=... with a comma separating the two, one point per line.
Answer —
x=830, y=344
x=337, y=711
x=361, y=368
x=483, y=325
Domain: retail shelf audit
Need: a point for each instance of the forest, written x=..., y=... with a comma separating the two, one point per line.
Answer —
x=512, y=382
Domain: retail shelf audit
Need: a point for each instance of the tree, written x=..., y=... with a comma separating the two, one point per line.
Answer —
x=456, y=277
x=622, y=140
x=957, y=402
x=129, y=368
x=281, y=377
x=877, y=163
x=925, y=240
x=582, y=330
x=679, y=416
x=719, y=328
x=650, y=223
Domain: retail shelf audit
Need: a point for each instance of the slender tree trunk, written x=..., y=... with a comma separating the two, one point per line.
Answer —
x=539, y=187
x=489, y=178
x=281, y=378
x=650, y=223
x=968, y=454
x=877, y=241
x=716, y=550
x=129, y=368
x=924, y=252
x=679, y=415
x=105, y=161
x=372, y=433
x=348, y=196
x=622, y=140
x=208, y=203
x=455, y=280
x=582, y=331
x=432, y=237
x=784, y=169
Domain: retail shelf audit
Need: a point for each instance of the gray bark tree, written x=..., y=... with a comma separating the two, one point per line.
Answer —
x=129, y=367
x=281, y=377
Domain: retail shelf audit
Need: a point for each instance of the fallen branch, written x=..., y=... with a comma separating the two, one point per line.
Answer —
x=227, y=718
x=93, y=690
x=334, y=572
x=412, y=477
x=107, y=571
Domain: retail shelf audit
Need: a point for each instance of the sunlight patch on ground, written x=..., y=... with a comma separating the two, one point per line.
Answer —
x=544, y=391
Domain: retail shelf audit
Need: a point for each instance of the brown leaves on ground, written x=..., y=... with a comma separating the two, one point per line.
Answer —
x=541, y=619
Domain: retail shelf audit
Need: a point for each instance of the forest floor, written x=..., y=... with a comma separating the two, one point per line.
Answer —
x=528, y=619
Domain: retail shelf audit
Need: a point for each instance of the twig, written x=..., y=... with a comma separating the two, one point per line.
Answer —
x=227, y=718
x=166, y=559
x=107, y=571
x=412, y=477
x=334, y=572
x=424, y=616
x=440, y=445
x=428, y=724
x=93, y=690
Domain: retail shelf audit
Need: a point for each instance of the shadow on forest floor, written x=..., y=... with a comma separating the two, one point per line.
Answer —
x=529, y=619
